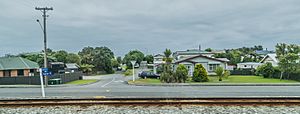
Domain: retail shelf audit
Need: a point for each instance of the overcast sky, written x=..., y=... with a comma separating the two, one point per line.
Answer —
x=148, y=25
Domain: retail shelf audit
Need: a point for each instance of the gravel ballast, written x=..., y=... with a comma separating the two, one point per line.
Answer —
x=152, y=109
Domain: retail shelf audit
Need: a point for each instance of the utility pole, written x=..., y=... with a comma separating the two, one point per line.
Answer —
x=44, y=11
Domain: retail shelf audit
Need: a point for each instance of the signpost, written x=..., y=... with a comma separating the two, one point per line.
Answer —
x=44, y=72
x=133, y=63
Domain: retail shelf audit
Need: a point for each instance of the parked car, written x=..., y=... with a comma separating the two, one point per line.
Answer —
x=119, y=69
x=147, y=74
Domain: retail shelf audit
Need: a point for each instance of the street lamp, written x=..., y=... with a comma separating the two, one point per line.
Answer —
x=133, y=63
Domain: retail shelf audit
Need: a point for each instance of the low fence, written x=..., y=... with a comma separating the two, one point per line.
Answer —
x=35, y=80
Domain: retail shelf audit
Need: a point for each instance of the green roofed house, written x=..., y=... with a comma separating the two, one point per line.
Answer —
x=17, y=66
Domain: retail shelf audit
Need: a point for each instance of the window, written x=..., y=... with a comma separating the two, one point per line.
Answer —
x=213, y=67
x=20, y=72
x=7, y=73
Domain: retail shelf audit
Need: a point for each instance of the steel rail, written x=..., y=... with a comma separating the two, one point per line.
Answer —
x=153, y=101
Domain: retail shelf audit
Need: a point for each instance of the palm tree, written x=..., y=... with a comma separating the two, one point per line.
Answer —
x=168, y=53
x=86, y=68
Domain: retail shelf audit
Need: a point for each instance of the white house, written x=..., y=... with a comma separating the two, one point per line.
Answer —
x=271, y=58
x=209, y=63
x=158, y=60
x=248, y=65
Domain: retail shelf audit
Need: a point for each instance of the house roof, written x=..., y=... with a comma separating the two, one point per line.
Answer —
x=272, y=56
x=188, y=59
x=55, y=63
x=158, y=55
x=263, y=52
x=12, y=63
x=192, y=51
x=250, y=63
x=71, y=65
x=223, y=59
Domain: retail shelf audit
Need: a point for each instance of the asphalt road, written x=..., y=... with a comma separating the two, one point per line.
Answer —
x=114, y=86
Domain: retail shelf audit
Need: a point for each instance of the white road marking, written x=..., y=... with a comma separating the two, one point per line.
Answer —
x=108, y=82
x=119, y=81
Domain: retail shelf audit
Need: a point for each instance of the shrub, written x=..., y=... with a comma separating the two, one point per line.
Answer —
x=200, y=74
x=266, y=70
x=181, y=74
x=128, y=72
x=219, y=71
x=226, y=74
x=167, y=75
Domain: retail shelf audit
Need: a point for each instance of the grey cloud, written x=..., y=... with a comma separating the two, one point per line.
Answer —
x=150, y=26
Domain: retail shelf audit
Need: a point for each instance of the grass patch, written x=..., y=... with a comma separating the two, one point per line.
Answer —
x=145, y=81
x=248, y=79
x=80, y=82
x=230, y=79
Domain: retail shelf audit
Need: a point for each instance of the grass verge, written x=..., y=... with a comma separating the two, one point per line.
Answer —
x=230, y=79
x=247, y=79
x=81, y=82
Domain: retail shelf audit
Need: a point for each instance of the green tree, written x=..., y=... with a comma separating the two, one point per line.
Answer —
x=208, y=50
x=99, y=57
x=115, y=63
x=288, y=64
x=38, y=57
x=244, y=54
x=149, y=59
x=86, y=55
x=219, y=71
x=73, y=58
x=102, y=59
x=119, y=59
x=259, y=47
x=200, y=74
x=61, y=56
x=135, y=55
x=181, y=74
x=288, y=57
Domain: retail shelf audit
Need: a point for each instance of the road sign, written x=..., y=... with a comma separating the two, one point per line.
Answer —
x=133, y=64
x=46, y=72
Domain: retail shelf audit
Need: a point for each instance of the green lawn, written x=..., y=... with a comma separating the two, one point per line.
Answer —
x=231, y=79
x=248, y=79
x=80, y=82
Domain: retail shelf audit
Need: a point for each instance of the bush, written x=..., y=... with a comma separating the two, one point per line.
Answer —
x=200, y=74
x=167, y=75
x=266, y=70
x=128, y=72
x=226, y=74
x=219, y=71
x=181, y=74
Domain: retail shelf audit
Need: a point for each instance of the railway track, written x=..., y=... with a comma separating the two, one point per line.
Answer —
x=155, y=101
